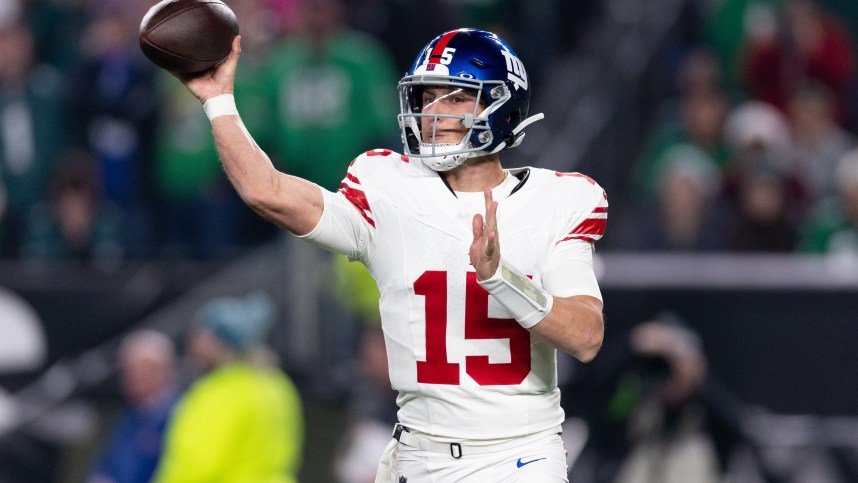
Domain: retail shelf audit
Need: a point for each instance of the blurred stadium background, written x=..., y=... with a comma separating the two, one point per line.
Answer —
x=724, y=132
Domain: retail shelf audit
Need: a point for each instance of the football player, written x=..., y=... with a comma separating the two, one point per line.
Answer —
x=484, y=272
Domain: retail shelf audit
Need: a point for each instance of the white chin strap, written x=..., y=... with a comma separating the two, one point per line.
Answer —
x=434, y=157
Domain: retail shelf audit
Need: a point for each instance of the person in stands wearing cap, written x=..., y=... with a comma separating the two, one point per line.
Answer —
x=240, y=421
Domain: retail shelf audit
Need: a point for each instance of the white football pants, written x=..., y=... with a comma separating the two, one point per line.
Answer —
x=540, y=461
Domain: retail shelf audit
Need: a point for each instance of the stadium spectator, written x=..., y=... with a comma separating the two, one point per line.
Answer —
x=148, y=376
x=75, y=222
x=767, y=196
x=241, y=420
x=758, y=124
x=761, y=218
x=32, y=127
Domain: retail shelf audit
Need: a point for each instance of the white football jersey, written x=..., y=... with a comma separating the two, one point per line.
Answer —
x=465, y=370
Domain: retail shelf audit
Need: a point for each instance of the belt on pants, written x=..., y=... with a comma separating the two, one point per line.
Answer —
x=457, y=450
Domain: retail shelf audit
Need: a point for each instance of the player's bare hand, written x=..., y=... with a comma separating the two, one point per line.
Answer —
x=218, y=80
x=485, y=249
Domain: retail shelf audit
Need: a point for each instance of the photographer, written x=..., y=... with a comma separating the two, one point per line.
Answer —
x=657, y=414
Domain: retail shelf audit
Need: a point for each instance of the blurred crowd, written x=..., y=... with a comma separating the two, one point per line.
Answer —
x=105, y=158
x=755, y=151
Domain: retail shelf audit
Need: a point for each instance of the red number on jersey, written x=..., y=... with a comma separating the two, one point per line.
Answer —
x=437, y=369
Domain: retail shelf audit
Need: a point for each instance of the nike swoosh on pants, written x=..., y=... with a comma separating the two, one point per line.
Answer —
x=520, y=463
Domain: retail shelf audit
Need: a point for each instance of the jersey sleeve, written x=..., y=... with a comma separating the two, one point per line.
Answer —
x=590, y=216
x=569, y=268
x=569, y=271
x=347, y=224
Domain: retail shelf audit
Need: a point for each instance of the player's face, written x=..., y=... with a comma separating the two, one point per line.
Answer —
x=450, y=101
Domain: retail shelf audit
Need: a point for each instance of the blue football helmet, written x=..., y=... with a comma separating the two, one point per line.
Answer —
x=473, y=61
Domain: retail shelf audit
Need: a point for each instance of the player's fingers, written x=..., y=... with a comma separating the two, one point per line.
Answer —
x=487, y=194
x=235, y=52
x=477, y=225
x=491, y=211
x=491, y=245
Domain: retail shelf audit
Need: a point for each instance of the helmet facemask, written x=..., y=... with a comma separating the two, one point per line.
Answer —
x=425, y=103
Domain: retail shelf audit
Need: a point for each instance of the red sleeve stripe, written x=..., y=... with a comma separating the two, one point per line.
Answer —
x=590, y=226
x=358, y=199
x=590, y=229
x=586, y=238
x=352, y=178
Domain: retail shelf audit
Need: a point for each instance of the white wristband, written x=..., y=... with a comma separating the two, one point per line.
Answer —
x=220, y=105
x=526, y=301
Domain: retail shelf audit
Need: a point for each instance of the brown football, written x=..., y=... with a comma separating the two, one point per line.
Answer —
x=188, y=36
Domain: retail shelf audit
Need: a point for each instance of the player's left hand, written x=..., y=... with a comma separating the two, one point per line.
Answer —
x=485, y=249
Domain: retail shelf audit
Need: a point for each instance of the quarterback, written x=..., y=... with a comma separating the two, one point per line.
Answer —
x=484, y=272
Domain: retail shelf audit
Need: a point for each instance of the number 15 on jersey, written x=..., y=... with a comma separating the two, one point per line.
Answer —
x=437, y=368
